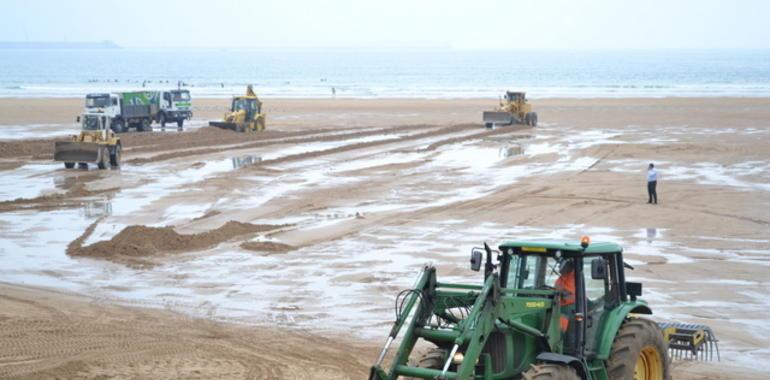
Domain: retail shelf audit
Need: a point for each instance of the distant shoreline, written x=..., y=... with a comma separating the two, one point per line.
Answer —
x=59, y=45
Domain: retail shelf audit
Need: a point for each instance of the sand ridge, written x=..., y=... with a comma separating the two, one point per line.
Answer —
x=140, y=241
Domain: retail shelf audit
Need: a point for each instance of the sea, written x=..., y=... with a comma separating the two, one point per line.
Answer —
x=397, y=73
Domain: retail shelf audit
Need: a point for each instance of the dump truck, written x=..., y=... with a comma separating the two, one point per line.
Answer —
x=175, y=107
x=95, y=144
x=126, y=110
x=514, y=109
x=545, y=310
x=245, y=114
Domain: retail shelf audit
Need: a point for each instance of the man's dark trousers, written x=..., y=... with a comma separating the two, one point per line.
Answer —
x=651, y=185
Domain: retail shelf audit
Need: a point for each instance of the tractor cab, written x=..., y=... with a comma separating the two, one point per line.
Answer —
x=515, y=97
x=250, y=105
x=586, y=283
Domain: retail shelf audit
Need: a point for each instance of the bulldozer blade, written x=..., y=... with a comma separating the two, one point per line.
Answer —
x=224, y=125
x=690, y=341
x=498, y=118
x=71, y=151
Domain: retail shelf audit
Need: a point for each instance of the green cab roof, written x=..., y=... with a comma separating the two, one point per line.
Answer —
x=564, y=245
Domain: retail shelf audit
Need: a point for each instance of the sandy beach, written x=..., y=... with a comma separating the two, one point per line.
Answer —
x=306, y=232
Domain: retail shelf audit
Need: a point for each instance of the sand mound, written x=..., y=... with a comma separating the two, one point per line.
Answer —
x=266, y=246
x=137, y=241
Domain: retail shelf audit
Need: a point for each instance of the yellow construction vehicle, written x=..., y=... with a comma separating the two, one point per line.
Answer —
x=513, y=109
x=245, y=114
x=96, y=144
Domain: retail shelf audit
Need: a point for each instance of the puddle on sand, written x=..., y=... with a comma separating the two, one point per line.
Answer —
x=28, y=181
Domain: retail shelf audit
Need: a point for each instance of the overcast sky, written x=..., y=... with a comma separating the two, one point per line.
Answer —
x=506, y=24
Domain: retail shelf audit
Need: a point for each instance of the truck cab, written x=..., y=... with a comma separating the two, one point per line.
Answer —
x=175, y=106
x=102, y=104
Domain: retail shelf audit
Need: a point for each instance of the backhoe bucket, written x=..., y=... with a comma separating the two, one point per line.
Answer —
x=496, y=117
x=71, y=151
x=690, y=341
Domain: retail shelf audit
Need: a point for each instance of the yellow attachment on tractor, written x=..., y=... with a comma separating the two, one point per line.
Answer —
x=245, y=114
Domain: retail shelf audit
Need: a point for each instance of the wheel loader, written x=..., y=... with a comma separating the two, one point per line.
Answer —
x=245, y=114
x=513, y=109
x=95, y=144
x=546, y=310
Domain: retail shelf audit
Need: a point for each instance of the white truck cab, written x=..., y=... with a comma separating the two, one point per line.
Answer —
x=175, y=106
x=102, y=104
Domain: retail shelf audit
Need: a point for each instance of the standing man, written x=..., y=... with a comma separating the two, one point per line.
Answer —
x=652, y=183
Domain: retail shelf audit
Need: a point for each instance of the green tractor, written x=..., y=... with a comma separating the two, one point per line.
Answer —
x=546, y=310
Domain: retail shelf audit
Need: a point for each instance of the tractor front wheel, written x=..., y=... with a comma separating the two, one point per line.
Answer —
x=639, y=352
x=549, y=371
x=433, y=359
x=115, y=157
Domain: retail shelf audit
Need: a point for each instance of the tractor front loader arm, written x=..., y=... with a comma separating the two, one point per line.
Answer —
x=475, y=331
x=423, y=291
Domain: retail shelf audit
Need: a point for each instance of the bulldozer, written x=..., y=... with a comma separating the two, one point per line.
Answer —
x=96, y=144
x=513, y=109
x=560, y=310
x=245, y=114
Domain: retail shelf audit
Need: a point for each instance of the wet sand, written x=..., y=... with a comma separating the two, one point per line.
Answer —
x=368, y=191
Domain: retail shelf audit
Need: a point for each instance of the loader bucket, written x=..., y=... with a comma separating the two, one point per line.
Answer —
x=498, y=118
x=224, y=125
x=690, y=341
x=71, y=151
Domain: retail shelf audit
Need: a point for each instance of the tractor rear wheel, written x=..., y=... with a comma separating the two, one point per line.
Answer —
x=639, y=352
x=549, y=371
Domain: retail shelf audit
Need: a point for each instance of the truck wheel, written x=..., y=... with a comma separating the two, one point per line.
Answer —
x=69, y=165
x=527, y=120
x=120, y=127
x=115, y=157
x=82, y=165
x=489, y=125
x=550, y=372
x=162, y=120
x=145, y=126
x=179, y=124
x=534, y=119
x=639, y=352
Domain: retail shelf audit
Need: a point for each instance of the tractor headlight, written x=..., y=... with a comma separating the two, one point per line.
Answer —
x=458, y=358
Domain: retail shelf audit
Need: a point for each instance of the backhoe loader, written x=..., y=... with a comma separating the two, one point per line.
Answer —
x=96, y=144
x=546, y=310
x=245, y=114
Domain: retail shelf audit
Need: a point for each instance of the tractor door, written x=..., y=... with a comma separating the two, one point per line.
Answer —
x=602, y=293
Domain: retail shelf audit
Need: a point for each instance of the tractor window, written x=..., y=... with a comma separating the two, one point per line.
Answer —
x=595, y=289
x=533, y=272
x=91, y=123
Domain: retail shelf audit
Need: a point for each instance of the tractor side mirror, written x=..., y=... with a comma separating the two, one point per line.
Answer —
x=598, y=269
x=634, y=289
x=476, y=258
